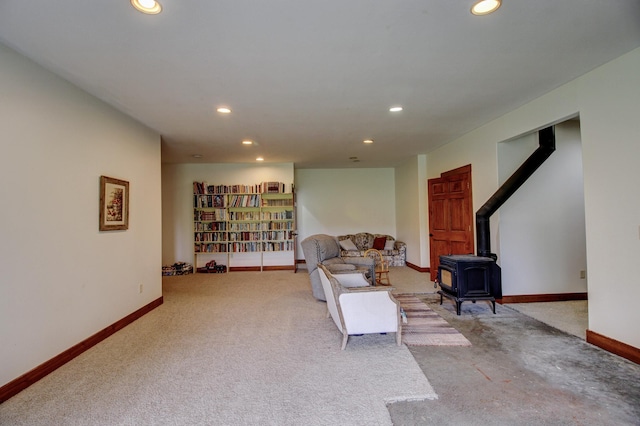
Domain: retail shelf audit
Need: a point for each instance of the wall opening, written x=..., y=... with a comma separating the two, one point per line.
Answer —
x=541, y=232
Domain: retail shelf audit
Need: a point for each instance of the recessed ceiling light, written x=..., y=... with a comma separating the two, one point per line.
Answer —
x=367, y=141
x=395, y=109
x=259, y=159
x=247, y=142
x=485, y=7
x=197, y=155
x=224, y=110
x=150, y=7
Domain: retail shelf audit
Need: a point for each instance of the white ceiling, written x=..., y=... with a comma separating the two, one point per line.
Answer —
x=309, y=81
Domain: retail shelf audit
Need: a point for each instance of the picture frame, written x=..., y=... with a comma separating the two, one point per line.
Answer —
x=114, y=204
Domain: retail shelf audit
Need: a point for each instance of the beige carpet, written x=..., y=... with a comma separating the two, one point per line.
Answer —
x=425, y=327
x=406, y=280
x=244, y=348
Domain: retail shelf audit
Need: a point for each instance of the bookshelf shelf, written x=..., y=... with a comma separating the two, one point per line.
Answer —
x=245, y=226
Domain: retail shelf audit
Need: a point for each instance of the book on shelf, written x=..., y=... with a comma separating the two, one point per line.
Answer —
x=210, y=248
x=218, y=200
x=272, y=187
x=246, y=200
x=205, y=201
x=268, y=187
x=205, y=188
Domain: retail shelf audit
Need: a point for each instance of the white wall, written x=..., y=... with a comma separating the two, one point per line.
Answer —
x=62, y=279
x=345, y=201
x=607, y=100
x=177, y=202
x=329, y=201
x=542, y=228
x=412, y=219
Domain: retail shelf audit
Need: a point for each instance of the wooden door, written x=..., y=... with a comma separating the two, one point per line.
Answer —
x=450, y=215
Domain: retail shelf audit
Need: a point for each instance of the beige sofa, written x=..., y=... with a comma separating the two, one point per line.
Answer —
x=394, y=252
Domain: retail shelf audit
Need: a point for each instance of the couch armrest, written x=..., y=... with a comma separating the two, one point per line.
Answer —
x=336, y=268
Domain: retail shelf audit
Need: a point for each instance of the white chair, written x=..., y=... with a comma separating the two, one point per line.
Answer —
x=359, y=308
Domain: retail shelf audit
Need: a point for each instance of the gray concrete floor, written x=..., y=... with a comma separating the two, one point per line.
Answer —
x=519, y=371
x=571, y=316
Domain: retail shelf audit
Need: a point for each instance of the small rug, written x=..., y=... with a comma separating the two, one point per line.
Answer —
x=424, y=327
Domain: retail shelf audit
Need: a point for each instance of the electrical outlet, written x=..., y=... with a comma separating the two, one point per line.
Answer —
x=140, y=288
x=583, y=275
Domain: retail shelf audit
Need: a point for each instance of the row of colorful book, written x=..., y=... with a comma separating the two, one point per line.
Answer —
x=264, y=187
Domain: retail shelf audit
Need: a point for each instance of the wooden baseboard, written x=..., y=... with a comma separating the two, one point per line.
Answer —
x=279, y=268
x=29, y=378
x=301, y=261
x=417, y=268
x=615, y=347
x=264, y=268
x=530, y=298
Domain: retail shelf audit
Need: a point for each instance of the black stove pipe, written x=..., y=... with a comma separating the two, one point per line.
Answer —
x=547, y=144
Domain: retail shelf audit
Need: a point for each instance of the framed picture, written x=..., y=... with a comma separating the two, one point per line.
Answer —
x=114, y=204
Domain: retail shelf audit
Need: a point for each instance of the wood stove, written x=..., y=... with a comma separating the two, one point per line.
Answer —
x=469, y=277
